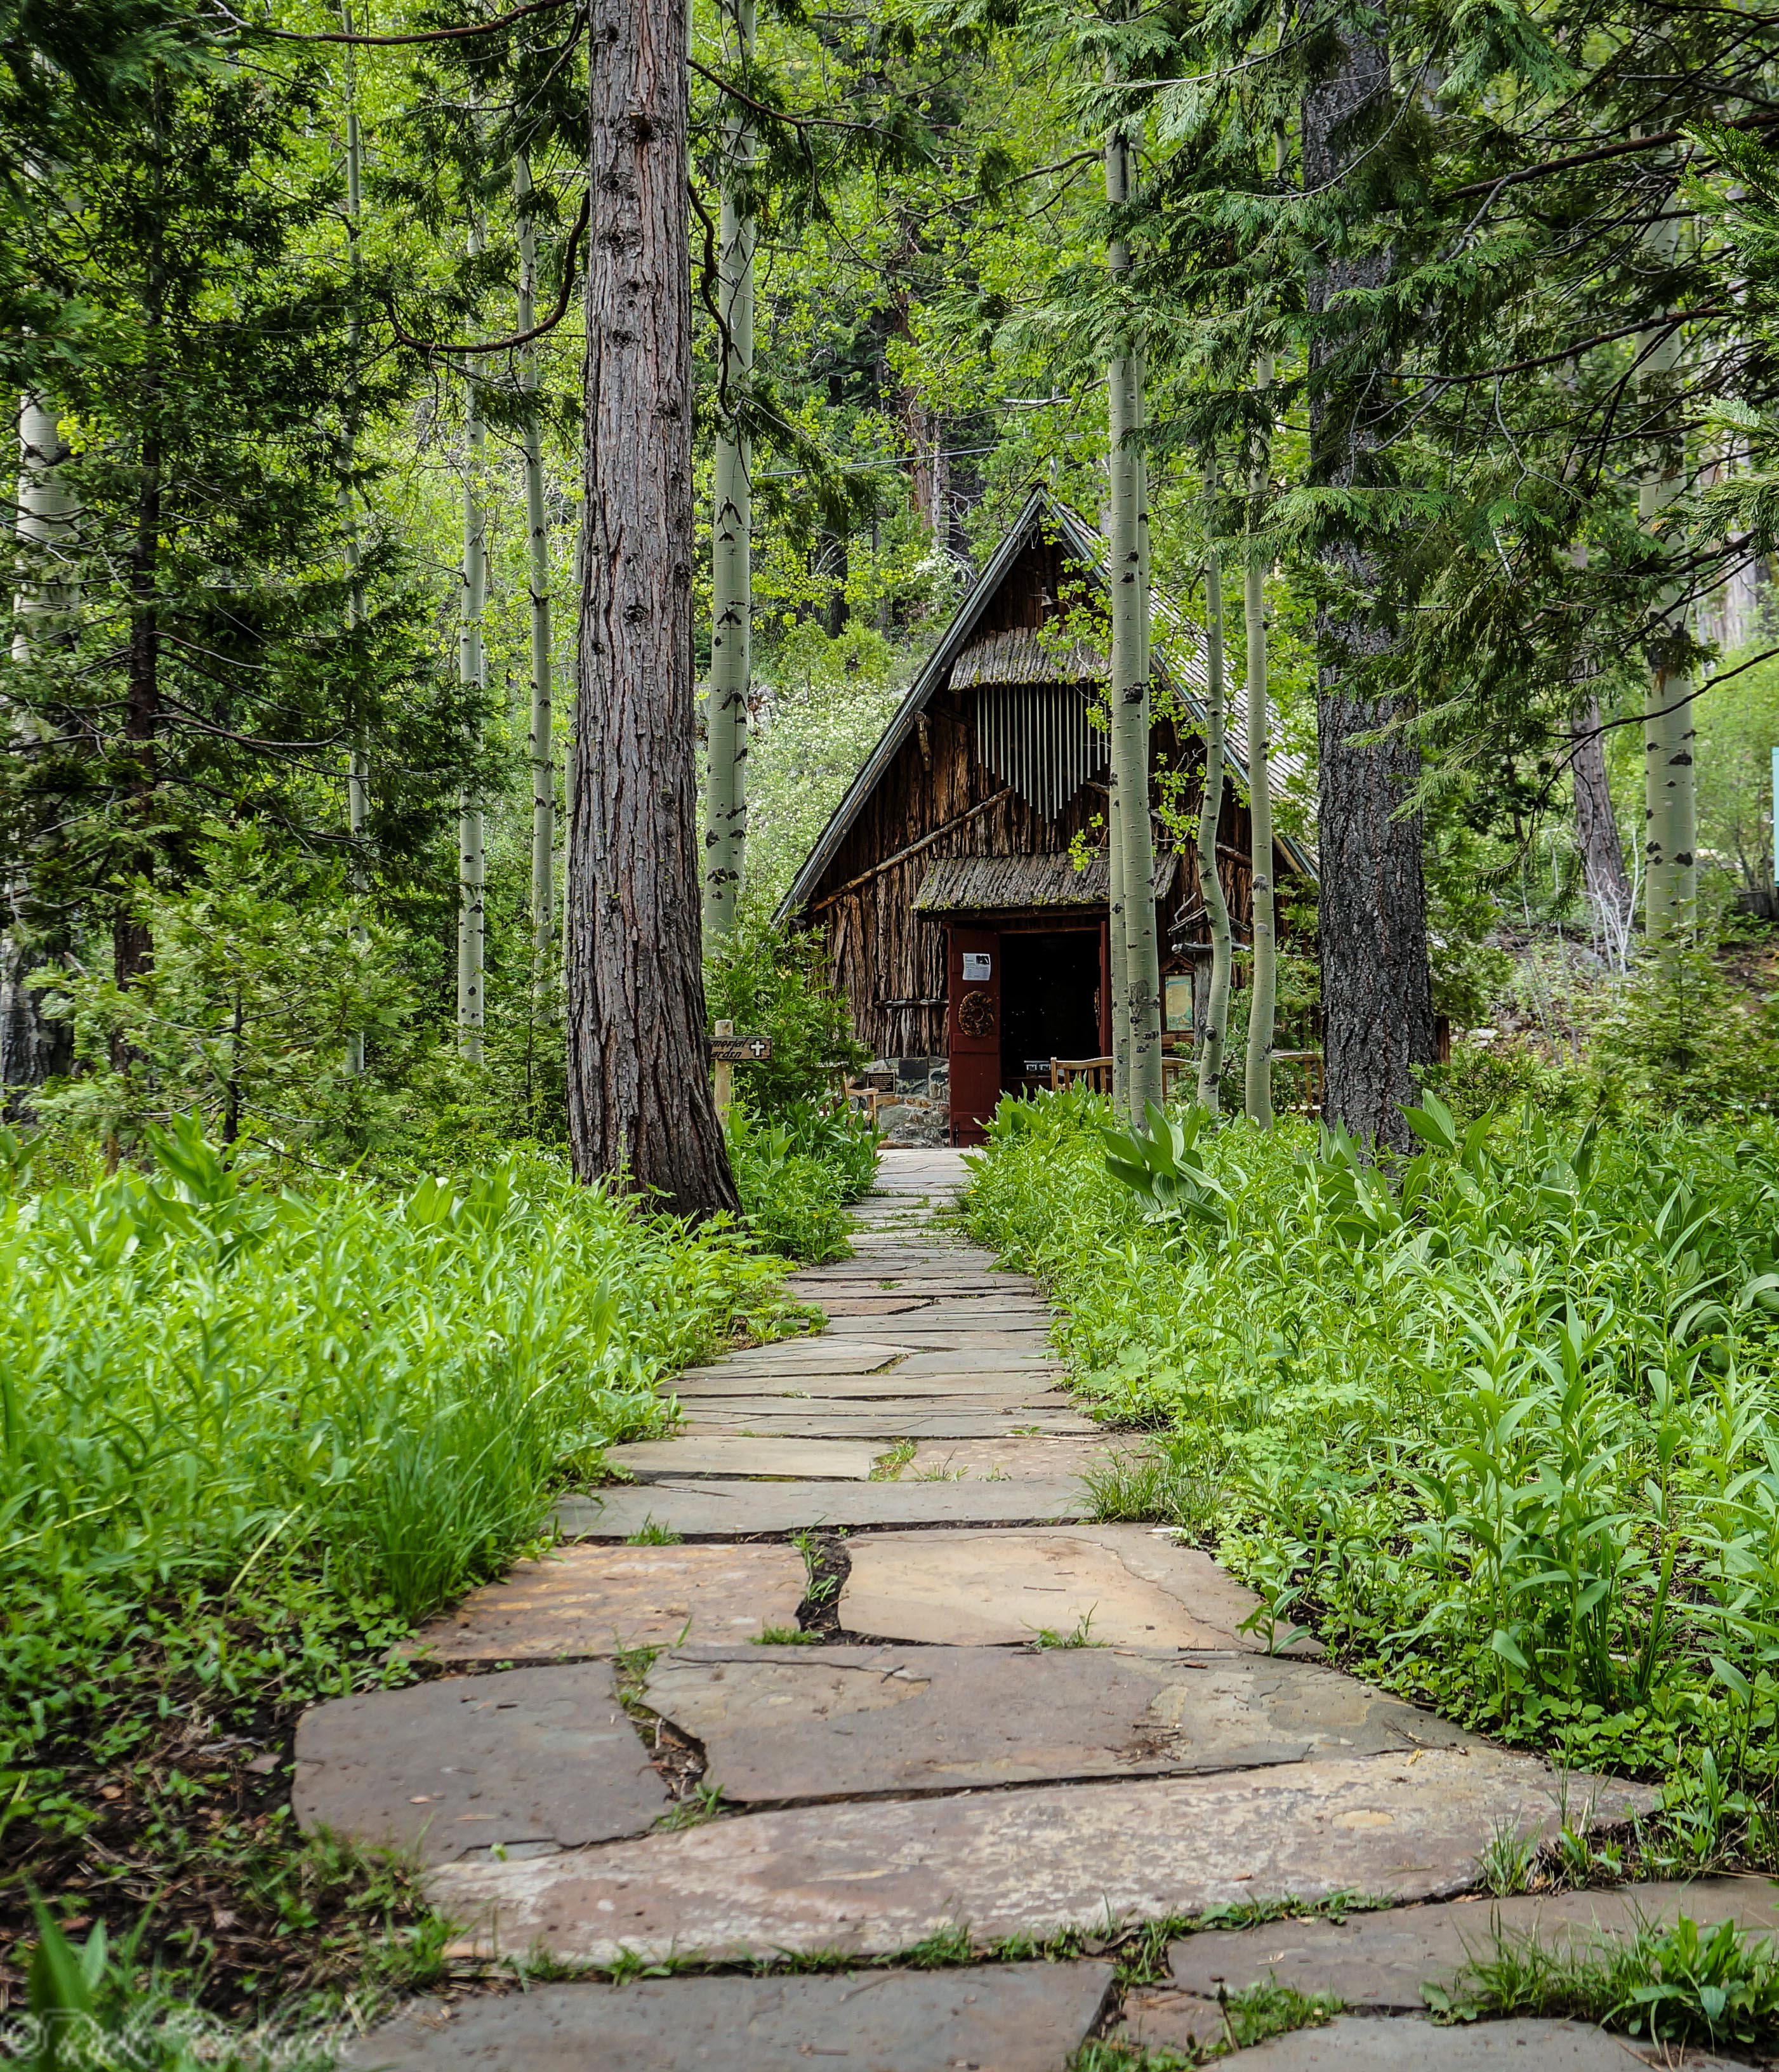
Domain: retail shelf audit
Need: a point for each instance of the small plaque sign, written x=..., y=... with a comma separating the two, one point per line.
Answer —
x=978, y=964
x=740, y=1050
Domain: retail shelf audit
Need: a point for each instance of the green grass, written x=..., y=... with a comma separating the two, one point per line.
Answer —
x=1675, y=1984
x=250, y=1437
x=1499, y=1426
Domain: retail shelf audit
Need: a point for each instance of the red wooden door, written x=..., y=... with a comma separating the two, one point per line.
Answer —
x=972, y=1028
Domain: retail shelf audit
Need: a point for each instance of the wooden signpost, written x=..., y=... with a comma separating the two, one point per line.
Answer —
x=728, y=1051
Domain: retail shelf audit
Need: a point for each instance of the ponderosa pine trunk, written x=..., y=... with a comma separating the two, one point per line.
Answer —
x=640, y=1104
x=1133, y=857
x=540, y=730
x=1263, y=989
x=731, y=531
x=1210, y=813
x=1376, y=993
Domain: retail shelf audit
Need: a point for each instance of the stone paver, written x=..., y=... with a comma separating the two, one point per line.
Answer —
x=885, y=1424
x=792, y=1459
x=1134, y=1589
x=972, y=1459
x=1382, y=1960
x=468, y=1762
x=875, y=1878
x=1011, y=2018
x=714, y=1386
x=732, y=1510
x=598, y=1600
x=1353, y=2044
x=781, y=1724
x=931, y=1769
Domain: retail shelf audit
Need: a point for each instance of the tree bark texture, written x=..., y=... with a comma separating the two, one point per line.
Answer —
x=1671, y=888
x=1211, y=814
x=1377, y=994
x=539, y=732
x=358, y=774
x=731, y=538
x=639, y=1096
x=472, y=670
x=1139, y=1002
x=1263, y=992
x=33, y=1046
x=1596, y=825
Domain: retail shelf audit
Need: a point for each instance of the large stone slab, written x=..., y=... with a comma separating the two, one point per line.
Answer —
x=466, y=1762
x=792, y=1459
x=1382, y=1960
x=719, y=1384
x=1353, y=2044
x=998, y=1362
x=824, y=1354
x=877, y=1877
x=974, y=1338
x=733, y=1509
x=999, y=2018
x=780, y=1723
x=970, y=1460
x=1134, y=1589
x=917, y=1420
x=598, y=1600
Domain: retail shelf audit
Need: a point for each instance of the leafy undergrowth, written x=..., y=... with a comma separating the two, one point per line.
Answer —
x=249, y=1439
x=796, y=1169
x=1675, y=1983
x=1501, y=1425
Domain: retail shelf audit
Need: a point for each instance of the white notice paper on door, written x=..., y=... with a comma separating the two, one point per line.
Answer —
x=977, y=964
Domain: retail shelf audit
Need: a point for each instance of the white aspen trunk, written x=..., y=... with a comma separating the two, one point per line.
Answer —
x=1139, y=1002
x=731, y=535
x=44, y=601
x=33, y=1047
x=1263, y=995
x=472, y=672
x=1211, y=814
x=540, y=734
x=1670, y=897
x=358, y=774
x=1116, y=962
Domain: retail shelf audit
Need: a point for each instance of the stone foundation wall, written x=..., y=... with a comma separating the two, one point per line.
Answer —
x=913, y=1099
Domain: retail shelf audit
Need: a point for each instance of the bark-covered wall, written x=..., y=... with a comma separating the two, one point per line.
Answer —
x=890, y=960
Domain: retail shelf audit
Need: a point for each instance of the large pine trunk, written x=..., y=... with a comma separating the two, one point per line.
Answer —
x=1376, y=996
x=640, y=1096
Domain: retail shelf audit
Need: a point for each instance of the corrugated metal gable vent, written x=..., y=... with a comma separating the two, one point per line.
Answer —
x=1041, y=739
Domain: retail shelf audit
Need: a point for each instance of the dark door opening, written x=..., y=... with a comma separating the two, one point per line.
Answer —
x=1050, y=1003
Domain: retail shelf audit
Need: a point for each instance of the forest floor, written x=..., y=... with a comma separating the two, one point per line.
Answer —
x=844, y=1732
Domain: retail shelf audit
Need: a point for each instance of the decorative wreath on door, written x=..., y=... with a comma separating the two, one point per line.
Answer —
x=975, y=1014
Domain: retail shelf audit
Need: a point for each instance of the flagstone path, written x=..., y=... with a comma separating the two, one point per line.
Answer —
x=846, y=1669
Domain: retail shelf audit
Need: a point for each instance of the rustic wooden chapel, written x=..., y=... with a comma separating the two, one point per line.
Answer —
x=972, y=949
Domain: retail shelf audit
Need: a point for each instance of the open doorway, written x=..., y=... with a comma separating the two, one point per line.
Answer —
x=1050, y=1003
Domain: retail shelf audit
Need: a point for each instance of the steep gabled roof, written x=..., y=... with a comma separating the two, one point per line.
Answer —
x=1178, y=663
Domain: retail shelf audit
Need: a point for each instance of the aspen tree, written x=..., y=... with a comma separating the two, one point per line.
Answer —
x=731, y=529
x=1211, y=814
x=539, y=741
x=1670, y=896
x=1138, y=1002
x=33, y=1047
x=1263, y=986
x=472, y=669
x=358, y=774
